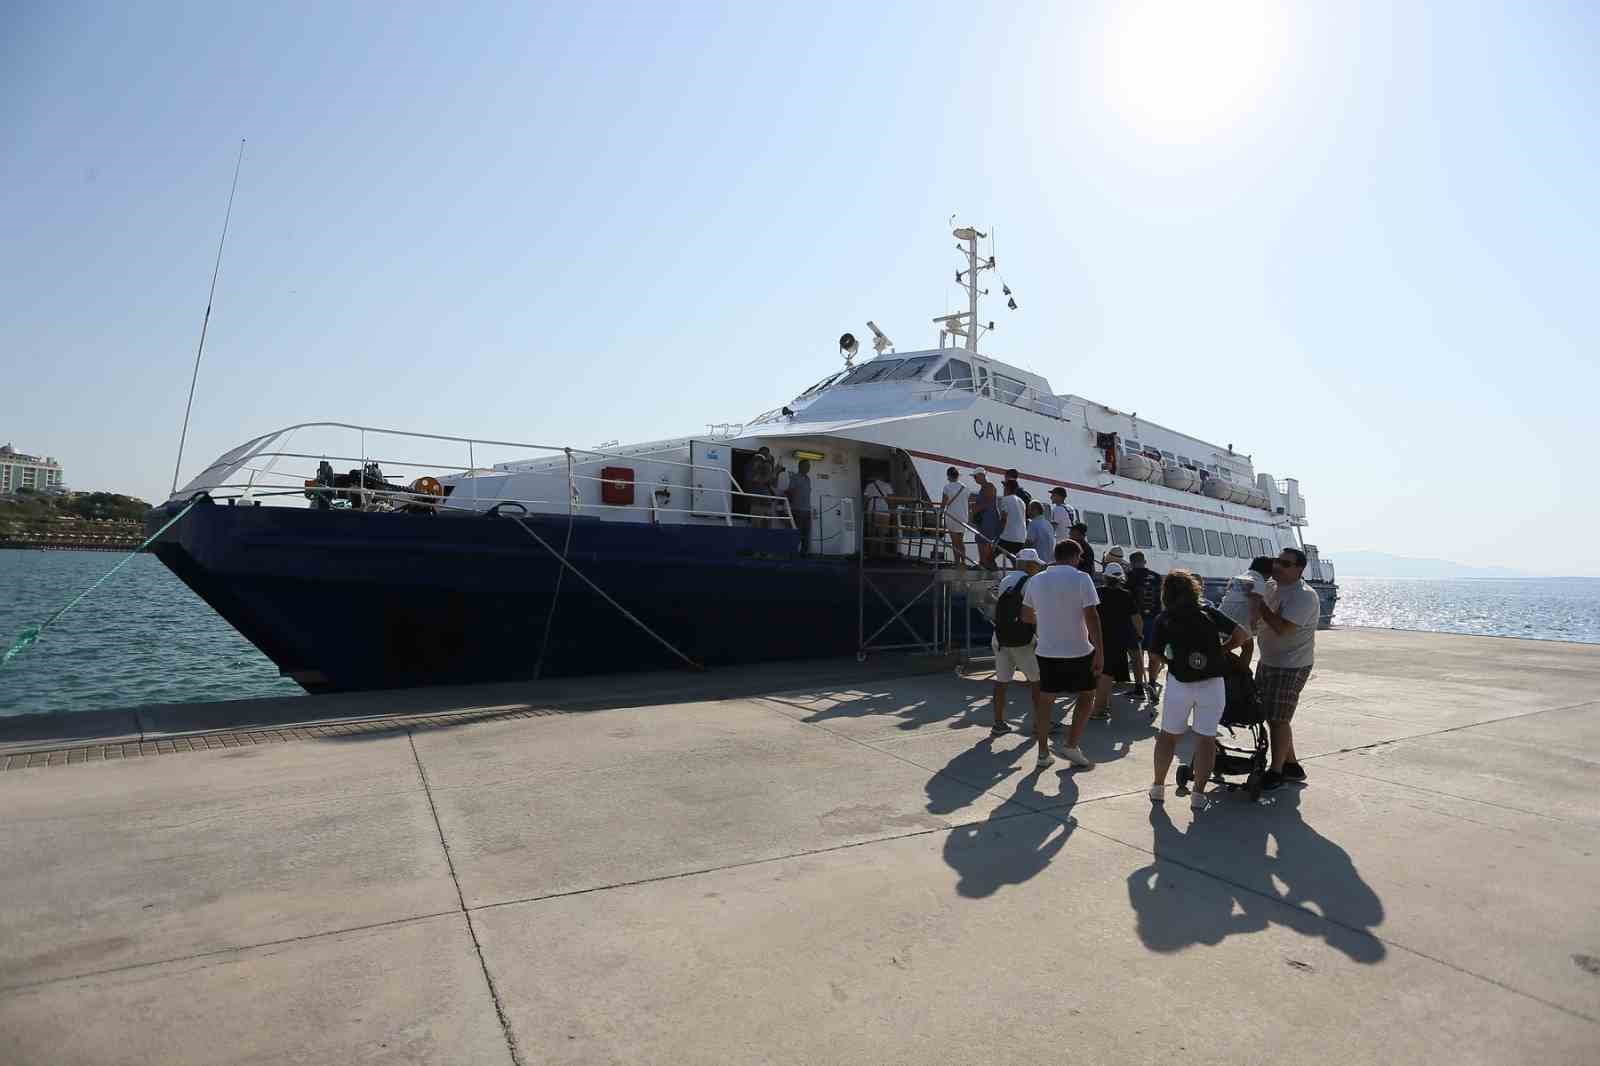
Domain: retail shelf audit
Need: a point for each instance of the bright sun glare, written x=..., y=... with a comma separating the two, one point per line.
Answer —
x=1193, y=65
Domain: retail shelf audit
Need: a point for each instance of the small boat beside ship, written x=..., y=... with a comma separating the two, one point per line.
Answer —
x=436, y=559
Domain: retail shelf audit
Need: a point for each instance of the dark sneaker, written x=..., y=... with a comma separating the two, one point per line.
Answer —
x=999, y=729
x=1100, y=716
x=1293, y=772
x=1271, y=780
x=1139, y=693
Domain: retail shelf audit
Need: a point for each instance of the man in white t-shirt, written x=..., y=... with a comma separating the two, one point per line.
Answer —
x=1061, y=516
x=1012, y=659
x=1014, y=520
x=953, y=499
x=1289, y=615
x=1061, y=602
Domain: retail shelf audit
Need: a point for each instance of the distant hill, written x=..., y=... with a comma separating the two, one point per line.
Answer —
x=1382, y=564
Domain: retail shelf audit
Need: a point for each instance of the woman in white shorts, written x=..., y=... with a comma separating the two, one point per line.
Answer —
x=1192, y=641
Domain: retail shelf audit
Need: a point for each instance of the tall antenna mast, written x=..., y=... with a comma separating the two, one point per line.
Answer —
x=965, y=323
x=206, y=321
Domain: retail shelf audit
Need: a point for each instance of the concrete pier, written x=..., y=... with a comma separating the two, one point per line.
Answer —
x=813, y=863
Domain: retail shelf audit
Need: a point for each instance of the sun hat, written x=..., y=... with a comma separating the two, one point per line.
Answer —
x=1028, y=555
x=1113, y=570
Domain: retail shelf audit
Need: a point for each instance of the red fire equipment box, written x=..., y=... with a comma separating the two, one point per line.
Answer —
x=616, y=485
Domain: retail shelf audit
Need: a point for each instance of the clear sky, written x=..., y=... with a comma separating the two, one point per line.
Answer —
x=1358, y=240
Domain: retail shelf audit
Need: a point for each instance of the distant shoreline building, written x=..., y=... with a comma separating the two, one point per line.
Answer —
x=18, y=471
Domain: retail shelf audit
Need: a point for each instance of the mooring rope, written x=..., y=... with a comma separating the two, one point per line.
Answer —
x=581, y=576
x=31, y=634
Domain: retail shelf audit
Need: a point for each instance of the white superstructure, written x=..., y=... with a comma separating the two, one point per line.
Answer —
x=905, y=418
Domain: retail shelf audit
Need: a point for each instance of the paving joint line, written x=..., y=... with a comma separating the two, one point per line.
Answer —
x=1456, y=729
x=1464, y=799
x=461, y=900
x=746, y=863
x=1065, y=817
x=250, y=736
x=1359, y=931
x=27, y=986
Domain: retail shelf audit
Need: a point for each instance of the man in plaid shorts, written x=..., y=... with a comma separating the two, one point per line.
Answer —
x=1289, y=615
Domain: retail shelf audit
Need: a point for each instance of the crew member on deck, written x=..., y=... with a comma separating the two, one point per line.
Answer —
x=799, y=496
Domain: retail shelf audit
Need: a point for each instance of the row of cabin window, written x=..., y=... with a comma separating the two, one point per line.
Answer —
x=956, y=373
x=1188, y=540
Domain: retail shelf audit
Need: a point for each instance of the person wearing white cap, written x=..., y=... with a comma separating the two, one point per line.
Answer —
x=1119, y=624
x=1113, y=555
x=1015, y=641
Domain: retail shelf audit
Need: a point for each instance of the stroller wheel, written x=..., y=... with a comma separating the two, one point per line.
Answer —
x=1252, y=785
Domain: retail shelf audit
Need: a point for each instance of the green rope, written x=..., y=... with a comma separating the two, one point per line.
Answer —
x=30, y=634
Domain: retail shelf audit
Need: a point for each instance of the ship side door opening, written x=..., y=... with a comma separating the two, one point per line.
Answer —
x=914, y=594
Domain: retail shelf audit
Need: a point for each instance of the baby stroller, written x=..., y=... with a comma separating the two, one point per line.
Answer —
x=1243, y=711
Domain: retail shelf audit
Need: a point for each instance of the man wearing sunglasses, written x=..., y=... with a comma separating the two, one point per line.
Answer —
x=1289, y=614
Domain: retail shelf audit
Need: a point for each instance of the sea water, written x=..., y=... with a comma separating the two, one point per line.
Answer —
x=1552, y=608
x=143, y=637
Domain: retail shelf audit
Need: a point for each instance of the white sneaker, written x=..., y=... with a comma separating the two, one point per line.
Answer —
x=1076, y=757
x=1045, y=761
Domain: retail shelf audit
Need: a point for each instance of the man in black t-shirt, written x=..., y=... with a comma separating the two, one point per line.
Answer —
x=1120, y=625
x=1145, y=586
x=1080, y=533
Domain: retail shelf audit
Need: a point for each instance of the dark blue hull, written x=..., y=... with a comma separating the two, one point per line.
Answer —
x=344, y=600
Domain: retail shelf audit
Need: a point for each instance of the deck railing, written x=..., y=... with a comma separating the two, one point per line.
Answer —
x=255, y=472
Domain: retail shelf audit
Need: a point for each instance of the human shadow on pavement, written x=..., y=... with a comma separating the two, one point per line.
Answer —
x=907, y=711
x=1217, y=879
x=1011, y=846
x=992, y=760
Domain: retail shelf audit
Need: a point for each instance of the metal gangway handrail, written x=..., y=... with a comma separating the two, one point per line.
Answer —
x=244, y=458
x=924, y=545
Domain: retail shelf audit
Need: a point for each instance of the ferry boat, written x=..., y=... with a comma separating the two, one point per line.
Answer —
x=528, y=560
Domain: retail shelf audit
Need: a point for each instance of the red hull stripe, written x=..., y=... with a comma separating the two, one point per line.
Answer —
x=968, y=465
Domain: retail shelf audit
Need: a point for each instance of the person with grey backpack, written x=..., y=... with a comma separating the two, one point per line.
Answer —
x=1015, y=641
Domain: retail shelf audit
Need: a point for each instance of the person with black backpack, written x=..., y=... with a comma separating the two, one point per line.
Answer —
x=1015, y=641
x=1192, y=640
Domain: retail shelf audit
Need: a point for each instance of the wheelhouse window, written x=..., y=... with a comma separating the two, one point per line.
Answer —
x=1197, y=540
x=1161, y=535
x=1008, y=390
x=824, y=383
x=873, y=371
x=957, y=373
x=1141, y=534
x=1119, y=531
x=1213, y=542
x=911, y=368
x=1256, y=548
x=1097, y=527
x=1229, y=548
x=1180, y=538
